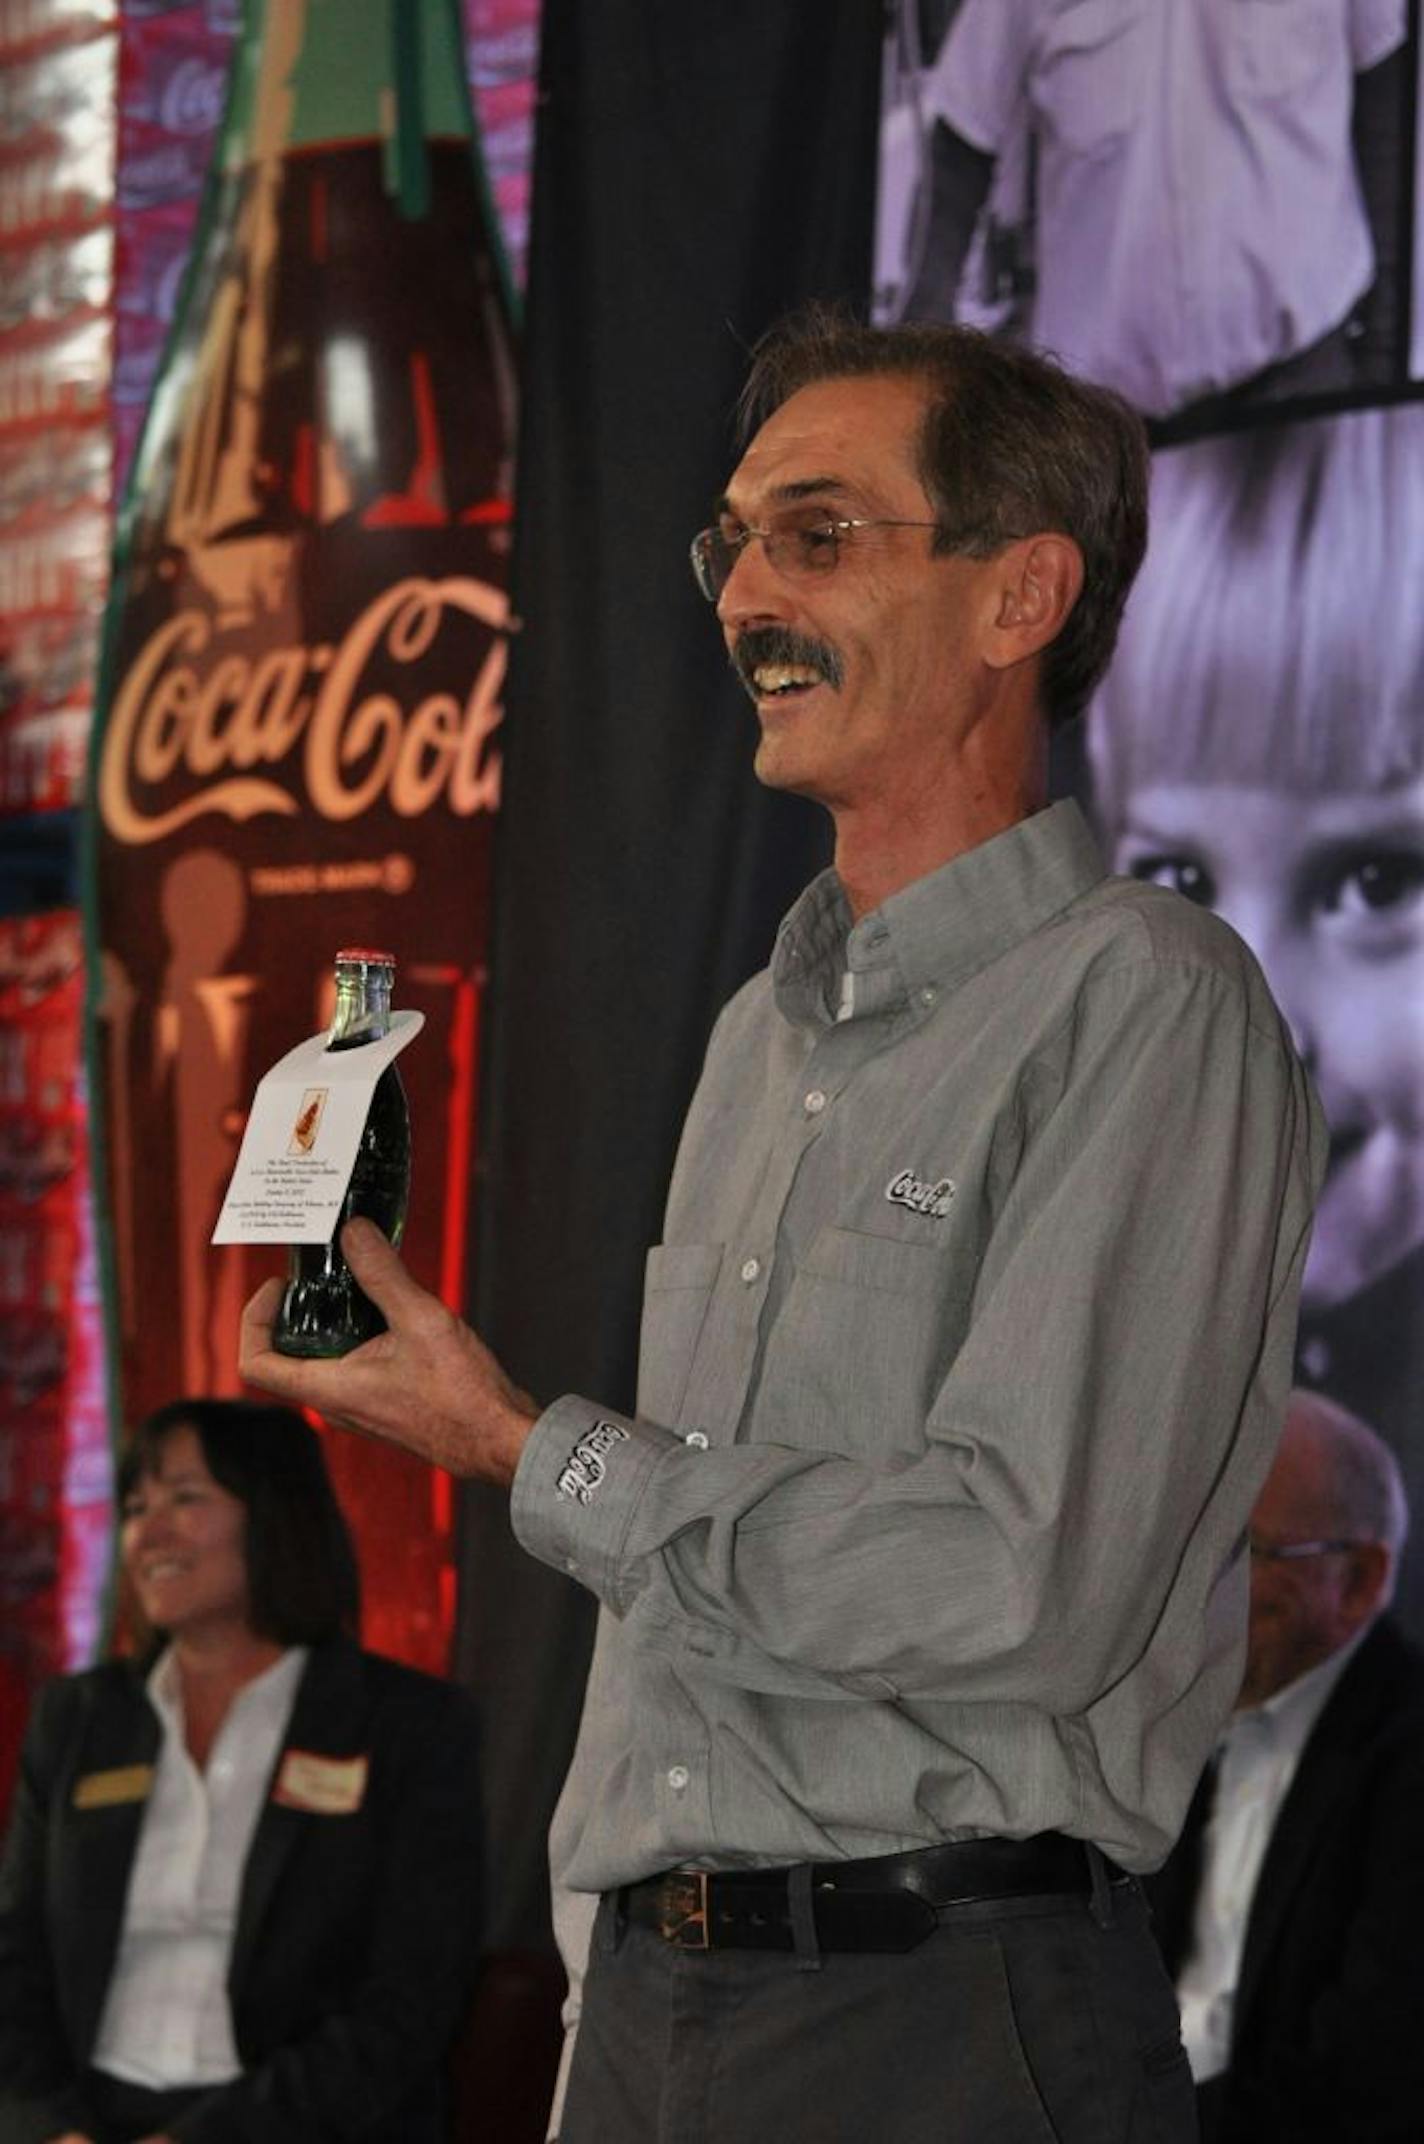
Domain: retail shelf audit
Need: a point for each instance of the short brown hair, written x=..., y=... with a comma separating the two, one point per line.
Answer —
x=1012, y=445
x=302, y=1579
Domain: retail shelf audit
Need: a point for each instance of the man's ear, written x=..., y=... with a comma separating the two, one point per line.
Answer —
x=1041, y=578
x=1367, y=1580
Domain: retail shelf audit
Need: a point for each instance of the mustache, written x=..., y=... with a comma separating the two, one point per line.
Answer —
x=778, y=644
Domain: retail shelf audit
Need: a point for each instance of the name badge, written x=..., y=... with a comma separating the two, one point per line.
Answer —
x=323, y=1786
x=109, y=1790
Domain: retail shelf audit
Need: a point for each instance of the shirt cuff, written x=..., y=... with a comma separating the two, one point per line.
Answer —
x=580, y=1479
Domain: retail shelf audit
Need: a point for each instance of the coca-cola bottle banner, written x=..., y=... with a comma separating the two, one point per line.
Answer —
x=302, y=676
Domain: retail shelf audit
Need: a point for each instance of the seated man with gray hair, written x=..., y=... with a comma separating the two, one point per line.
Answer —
x=1292, y=1908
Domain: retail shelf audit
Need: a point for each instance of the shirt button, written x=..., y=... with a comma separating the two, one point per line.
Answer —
x=697, y=1438
x=815, y=1102
x=678, y=1778
x=750, y=1269
x=928, y=994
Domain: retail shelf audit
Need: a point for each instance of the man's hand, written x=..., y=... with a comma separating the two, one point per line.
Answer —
x=428, y=1384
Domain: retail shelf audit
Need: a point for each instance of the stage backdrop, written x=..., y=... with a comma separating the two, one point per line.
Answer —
x=1213, y=210
x=697, y=171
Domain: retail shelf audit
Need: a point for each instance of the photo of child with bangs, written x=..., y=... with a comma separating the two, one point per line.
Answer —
x=1259, y=746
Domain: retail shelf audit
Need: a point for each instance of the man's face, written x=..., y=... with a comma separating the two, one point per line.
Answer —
x=1305, y=1608
x=888, y=682
x=1328, y=891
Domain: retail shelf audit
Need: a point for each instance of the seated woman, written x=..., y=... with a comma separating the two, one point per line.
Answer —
x=240, y=1895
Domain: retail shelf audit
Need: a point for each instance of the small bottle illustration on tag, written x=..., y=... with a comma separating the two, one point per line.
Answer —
x=308, y=1118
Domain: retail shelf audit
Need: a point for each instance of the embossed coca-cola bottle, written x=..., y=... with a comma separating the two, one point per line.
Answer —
x=322, y=1311
x=304, y=648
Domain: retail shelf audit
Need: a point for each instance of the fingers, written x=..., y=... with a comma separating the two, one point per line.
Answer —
x=303, y=1381
x=261, y=1310
x=378, y=1268
x=257, y=1360
x=255, y=1331
x=428, y=1383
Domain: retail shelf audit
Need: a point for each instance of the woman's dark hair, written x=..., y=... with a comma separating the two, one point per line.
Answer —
x=303, y=1583
x=1011, y=446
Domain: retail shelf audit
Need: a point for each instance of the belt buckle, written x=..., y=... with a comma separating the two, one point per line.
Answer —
x=682, y=1918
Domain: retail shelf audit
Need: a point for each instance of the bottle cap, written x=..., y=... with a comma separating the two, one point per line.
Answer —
x=364, y=956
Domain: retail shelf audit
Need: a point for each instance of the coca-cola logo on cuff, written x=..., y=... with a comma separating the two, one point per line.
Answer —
x=586, y=1465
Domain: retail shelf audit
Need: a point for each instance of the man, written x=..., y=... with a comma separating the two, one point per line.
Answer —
x=1291, y=1913
x=963, y=1356
x=1233, y=148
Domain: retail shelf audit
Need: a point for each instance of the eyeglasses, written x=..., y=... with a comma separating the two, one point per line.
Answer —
x=1289, y=1551
x=800, y=545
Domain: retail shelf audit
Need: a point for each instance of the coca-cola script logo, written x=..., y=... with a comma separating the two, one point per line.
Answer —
x=188, y=706
x=920, y=1194
x=190, y=98
x=587, y=1464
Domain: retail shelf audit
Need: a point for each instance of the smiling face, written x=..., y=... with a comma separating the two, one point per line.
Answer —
x=183, y=1543
x=1328, y=891
x=866, y=675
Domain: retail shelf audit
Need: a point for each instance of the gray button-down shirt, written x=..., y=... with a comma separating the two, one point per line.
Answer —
x=962, y=1361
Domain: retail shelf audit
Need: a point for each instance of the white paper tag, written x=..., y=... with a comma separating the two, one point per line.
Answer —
x=300, y=1144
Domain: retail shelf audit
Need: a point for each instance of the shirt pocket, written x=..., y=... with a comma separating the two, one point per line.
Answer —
x=1274, y=49
x=677, y=1291
x=869, y=1326
x=1090, y=80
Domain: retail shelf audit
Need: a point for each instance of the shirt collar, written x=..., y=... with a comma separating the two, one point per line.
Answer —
x=935, y=933
x=1286, y=1718
x=269, y=1694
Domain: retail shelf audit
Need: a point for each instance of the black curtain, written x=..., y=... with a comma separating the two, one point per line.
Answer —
x=700, y=168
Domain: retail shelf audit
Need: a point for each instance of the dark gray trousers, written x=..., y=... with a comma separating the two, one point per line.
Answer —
x=1019, y=2022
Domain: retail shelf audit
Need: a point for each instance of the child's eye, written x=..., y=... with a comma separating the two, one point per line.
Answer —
x=1371, y=885
x=1183, y=874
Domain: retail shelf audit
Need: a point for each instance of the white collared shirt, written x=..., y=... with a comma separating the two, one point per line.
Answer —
x=1257, y=1759
x=1200, y=212
x=166, y=2018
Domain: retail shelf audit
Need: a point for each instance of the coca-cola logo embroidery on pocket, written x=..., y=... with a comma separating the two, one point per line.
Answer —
x=929, y=1196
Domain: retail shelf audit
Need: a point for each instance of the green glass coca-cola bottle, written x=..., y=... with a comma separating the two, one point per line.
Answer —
x=323, y=1312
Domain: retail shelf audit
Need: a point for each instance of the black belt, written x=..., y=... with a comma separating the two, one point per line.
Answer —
x=888, y=1903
